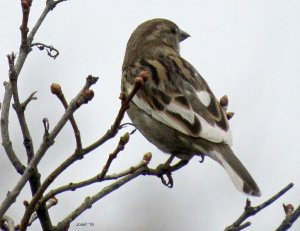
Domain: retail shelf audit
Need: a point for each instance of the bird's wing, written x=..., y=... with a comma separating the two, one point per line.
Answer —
x=176, y=95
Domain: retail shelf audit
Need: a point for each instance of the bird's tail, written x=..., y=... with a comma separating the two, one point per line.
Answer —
x=239, y=175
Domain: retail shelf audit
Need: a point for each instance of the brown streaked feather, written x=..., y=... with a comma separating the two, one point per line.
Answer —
x=177, y=91
x=195, y=127
x=182, y=101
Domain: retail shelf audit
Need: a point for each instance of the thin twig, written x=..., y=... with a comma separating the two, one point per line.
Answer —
x=7, y=223
x=51, y=51
x=251, y=211
x=34, y=179
x=29, y=99
x=19, y=109
x=46, y=127
x=121, y=145
x=80, y=99
x=26, y=4
x=6, y=142
x=96, y=179
x=289, y=220
x=79, y=154
x=50, y=203
x=139, y=81
x=53, y=3
x=23, y=53
x=89, y=201
x=56, y=90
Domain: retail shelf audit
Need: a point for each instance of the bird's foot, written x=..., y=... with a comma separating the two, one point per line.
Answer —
x=165, y=169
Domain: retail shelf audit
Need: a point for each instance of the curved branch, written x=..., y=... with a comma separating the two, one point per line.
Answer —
x=51, y=51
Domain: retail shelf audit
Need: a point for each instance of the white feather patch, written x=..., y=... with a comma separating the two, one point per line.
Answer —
x=214, y=133
x=158, y=115
x=204, y=97
x=187, y=114
x=208, y=131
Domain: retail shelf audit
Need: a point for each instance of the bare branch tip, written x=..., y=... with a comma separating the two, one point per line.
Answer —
x=56, y=89
x=124, y=139
x=26, y=4
x=92, y=79
x=46, y=126
x=288, y=209
x=147, y=157
x=248, y=204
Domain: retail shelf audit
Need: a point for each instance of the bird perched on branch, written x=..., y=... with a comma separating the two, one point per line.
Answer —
x=175, y=109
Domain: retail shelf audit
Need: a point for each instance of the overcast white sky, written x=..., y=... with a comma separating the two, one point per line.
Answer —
x=249, y=50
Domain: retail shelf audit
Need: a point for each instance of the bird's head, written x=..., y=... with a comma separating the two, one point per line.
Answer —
x=157, y=31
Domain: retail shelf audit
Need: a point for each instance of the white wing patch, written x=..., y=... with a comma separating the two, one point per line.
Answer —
x=208, y=131
x=204, y=97
x=187, y=114
x=214, y=133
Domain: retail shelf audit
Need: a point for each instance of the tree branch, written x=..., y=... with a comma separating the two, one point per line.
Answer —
x=56, y=90
x=89, y=201
x=19, y=109
x=79, y=154
x=26, y=4
x=34, y=179
x=51, y=51
x=28, y=100
x=7, y=223
x=251, y=211
x=120, y=147
x=50, y=203
x=96, y=179
x=52, y=4
x=139, y=81
x=289, y=220
x=6, y=142
x=82, y=97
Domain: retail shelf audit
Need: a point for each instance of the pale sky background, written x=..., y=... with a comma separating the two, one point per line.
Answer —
x=249, y=50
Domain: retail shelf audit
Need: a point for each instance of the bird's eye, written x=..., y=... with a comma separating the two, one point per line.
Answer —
x=174, y=30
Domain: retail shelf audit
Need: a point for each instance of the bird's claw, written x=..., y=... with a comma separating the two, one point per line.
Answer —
x=169, y=182
x=165, y=169
x=201, y=158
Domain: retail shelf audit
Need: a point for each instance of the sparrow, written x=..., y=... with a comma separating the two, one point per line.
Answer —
x=175, y=108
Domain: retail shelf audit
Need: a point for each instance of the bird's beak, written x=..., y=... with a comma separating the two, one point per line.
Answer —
x=183, y=35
